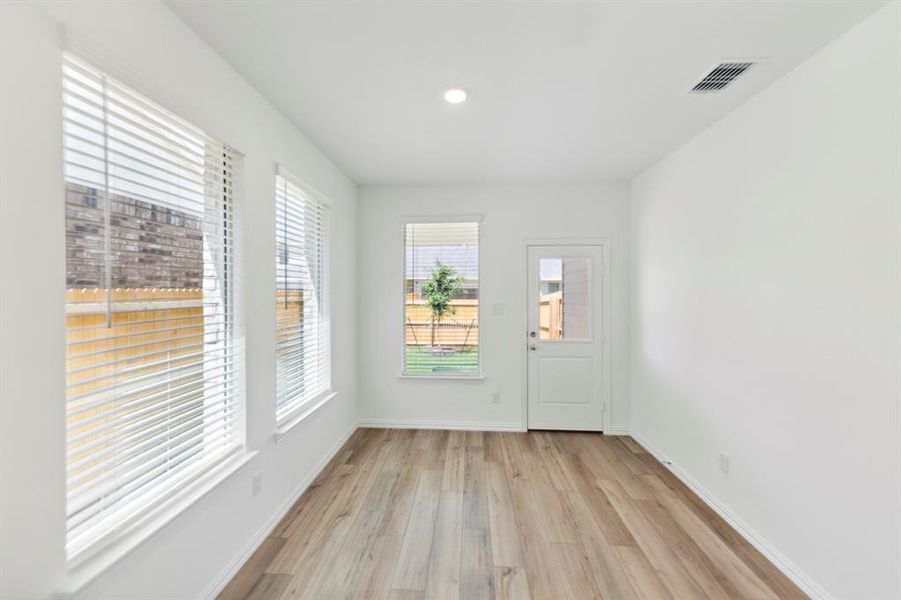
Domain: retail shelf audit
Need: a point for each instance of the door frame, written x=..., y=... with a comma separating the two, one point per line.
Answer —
x=604, y=244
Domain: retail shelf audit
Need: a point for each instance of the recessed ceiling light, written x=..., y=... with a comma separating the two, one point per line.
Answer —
x=455, y=95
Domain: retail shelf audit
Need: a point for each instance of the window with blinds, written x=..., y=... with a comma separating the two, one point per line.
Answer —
x=441, y=299
x=152, y=365
x=302, y=348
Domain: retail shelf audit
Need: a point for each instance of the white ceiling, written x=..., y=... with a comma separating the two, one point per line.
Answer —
x=558, y=91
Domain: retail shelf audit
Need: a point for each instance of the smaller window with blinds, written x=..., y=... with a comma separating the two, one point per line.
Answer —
x=441, y=298
x=301, y=301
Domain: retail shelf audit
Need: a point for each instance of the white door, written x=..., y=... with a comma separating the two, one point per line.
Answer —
x=565, y=337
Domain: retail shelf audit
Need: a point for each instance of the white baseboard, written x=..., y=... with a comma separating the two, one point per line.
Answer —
x=218, y=584
x=617, y=430
x=463, y=425
x=429, y=424
x=773, y=554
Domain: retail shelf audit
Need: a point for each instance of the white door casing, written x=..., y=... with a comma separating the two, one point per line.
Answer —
x=565, y=336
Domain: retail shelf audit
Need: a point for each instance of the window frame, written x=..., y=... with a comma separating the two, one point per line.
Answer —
x=145, y=519
x=478, y=219
x=306, y=408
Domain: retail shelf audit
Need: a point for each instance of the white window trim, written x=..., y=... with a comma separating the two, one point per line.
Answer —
x=477, y=376
x=302, y=413
x=413, y=219
x=95, y=559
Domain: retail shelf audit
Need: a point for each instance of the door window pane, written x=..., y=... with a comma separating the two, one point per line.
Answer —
x=563, y=303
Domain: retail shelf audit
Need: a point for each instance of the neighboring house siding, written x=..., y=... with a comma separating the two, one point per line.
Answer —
x=141, y=235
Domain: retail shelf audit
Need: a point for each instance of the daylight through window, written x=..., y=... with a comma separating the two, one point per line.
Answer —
x=441, y=298
x=152, y=368
x=302, y=349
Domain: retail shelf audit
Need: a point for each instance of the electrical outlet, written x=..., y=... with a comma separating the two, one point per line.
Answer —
x=724, y=463
x=257, y=483
x=497, y=310
x=496, y=398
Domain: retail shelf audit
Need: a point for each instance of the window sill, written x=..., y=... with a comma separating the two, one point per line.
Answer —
x=87, y=566
x=455, y=378
x=304, y=412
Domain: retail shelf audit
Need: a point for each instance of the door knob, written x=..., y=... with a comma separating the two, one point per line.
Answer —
x=533, y=347
x=532, y=334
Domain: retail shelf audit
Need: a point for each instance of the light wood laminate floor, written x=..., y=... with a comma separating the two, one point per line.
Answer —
x=415, y=514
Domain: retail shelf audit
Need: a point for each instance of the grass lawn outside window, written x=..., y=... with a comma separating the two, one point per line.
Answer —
x=424, y=360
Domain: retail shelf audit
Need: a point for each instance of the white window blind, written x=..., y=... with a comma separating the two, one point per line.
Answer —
x=153, y=370
x=302, y=333
x=441, y=298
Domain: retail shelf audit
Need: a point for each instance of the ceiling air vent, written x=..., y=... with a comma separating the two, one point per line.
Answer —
x=722, y=75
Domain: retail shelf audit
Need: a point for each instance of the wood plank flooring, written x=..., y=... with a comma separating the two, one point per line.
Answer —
x=422, y=514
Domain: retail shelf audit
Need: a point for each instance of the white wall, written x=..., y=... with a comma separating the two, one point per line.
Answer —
x=766, y=312
x=150, y=48
x=511, y=214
